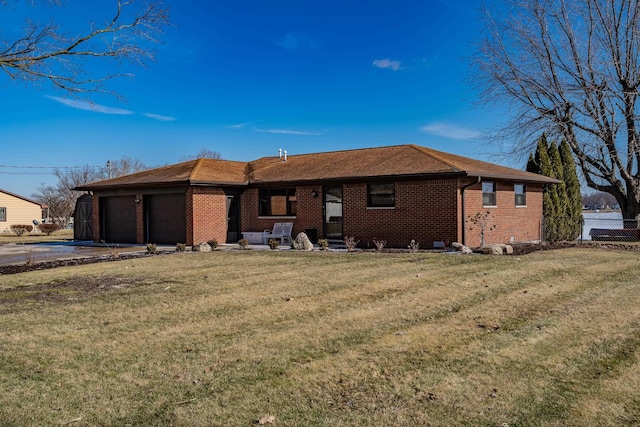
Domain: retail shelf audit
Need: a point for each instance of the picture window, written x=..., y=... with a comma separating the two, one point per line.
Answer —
x=278, y=202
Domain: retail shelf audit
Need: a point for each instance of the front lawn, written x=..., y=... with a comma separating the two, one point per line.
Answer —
x=232, y=338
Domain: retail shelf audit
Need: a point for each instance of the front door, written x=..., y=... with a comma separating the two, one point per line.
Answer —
x=233, y=218
x=333, y=212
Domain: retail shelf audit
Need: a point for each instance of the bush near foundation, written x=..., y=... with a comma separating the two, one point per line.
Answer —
x=48, y=229
x=21, y=229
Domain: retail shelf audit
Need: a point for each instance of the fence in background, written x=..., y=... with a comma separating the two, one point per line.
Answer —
x=606, y=226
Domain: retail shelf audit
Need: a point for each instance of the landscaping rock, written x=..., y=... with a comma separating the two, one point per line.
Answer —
x=302, y=242
x=201, y=247
x=507, y=249
x=494, y=249
x=459, y=247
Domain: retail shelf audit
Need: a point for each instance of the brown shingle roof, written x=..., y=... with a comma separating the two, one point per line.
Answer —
x=397, y=161
x=200, y=171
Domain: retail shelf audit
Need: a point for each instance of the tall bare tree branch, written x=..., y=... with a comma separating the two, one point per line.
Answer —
x=45, y=52
x=571, y=68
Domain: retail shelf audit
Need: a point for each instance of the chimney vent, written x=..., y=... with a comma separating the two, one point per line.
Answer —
x=285, y=155
x=279, y=153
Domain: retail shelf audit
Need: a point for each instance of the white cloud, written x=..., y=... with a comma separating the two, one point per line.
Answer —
x=287, y=132
x=449, y=131
x=292, y=41
x=241, y=125
x=387, y=63
x=159, y=117
x=89, y=106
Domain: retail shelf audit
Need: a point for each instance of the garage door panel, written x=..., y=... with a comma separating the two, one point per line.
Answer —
x=119, y=219
x=167, y=218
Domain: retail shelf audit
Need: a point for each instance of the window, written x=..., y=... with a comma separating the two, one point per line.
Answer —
x=3, y=214
x=520, y=191
x=381, y=195
x=489, y=194
x=278, y=202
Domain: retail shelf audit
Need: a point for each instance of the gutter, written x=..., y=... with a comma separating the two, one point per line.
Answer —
x=464, y=187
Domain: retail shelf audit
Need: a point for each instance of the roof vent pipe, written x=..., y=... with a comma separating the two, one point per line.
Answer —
x=279, y=153
x=285, y=155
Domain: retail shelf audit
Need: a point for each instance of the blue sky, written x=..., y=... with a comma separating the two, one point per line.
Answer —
x=245, y=78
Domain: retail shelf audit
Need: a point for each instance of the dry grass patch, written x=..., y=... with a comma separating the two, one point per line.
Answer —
x=228, y=338
x=37, y=237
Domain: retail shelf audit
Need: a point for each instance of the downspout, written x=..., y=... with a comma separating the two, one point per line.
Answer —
x=464, y=228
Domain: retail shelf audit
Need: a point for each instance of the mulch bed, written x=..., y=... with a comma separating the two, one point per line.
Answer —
x=518, y=249
x=46, y=265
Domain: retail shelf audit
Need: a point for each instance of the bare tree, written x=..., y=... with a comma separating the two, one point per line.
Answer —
x=61, y=198
x=45, y=52
x=125, y=166
x=203, y=153
x=571, y=68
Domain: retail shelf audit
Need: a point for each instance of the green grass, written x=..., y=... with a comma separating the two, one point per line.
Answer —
x=325, y=339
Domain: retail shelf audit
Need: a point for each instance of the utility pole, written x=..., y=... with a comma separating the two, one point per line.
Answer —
x=109, y=168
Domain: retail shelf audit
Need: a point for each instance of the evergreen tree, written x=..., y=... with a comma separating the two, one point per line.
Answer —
x=549, y=196
x=561, y=200
x=572, y=186
x=532, y=166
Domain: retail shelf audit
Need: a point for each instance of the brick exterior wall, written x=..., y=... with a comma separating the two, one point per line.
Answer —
x=424, y=211
x=206, y=215
x=140, y=238
x=95, y=221
x=512, y=224
x=309, y=211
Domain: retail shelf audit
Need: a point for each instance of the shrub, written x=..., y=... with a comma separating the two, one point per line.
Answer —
x=324, y=244
x=181, y=247
x=20, y=229
x=49, y=228
x=351, y=243
x=274, y=243
x=152, y=248
x=213, y=243
x=380, y=244
x=243, y=243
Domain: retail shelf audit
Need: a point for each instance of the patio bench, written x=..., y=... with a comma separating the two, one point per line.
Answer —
x=281, y=230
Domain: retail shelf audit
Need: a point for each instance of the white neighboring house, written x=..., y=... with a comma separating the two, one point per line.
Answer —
x=15, y=209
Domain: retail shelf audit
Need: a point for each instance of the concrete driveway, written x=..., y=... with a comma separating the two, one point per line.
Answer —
x=16, y=253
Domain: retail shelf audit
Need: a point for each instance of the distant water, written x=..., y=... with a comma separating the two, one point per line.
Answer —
x=600, y=220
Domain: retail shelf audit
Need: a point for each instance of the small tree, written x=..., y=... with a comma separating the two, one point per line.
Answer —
x=483, y=221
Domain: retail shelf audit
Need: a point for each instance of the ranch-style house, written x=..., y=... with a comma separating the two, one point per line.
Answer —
x=396, y=193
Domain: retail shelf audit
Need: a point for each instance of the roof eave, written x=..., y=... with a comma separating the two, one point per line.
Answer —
x=185, y=182
x=202, y=183
x=431, y=175
x=541, y=179
x=89, y=187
